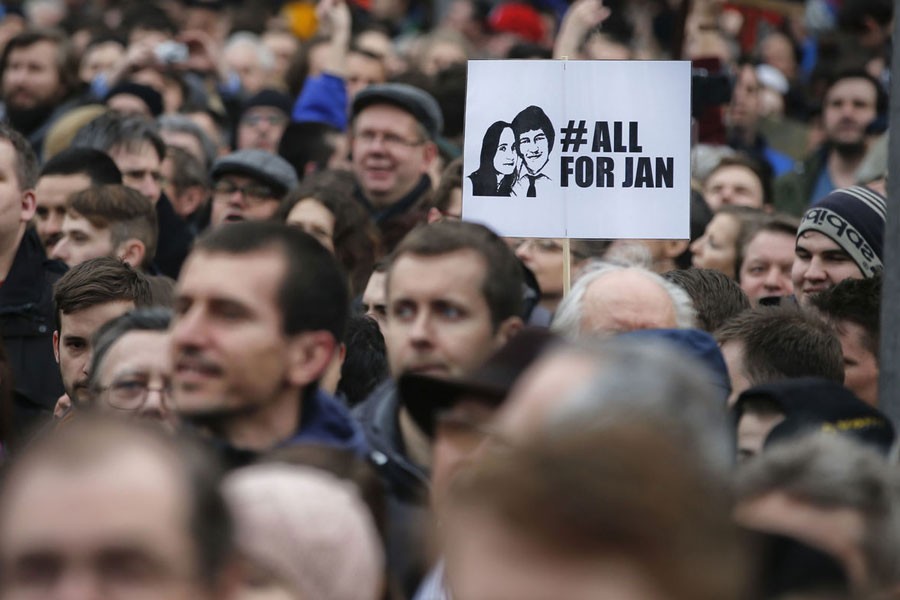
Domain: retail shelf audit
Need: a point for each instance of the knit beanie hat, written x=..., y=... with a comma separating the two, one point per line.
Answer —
x=309, y=528
x=147, y=94
x=853, y=218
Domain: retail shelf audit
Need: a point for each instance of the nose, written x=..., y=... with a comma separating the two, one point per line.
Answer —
x=61, y=250
x=815, y=271
x=188, y=329
x=420, y=332
x=696, y=246
x=774, y=279
x=155, y=405
x=523, y=250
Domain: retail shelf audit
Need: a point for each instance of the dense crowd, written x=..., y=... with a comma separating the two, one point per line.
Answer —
x=251, y=348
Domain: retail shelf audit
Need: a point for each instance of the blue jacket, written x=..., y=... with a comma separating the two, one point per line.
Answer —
x=324, y=420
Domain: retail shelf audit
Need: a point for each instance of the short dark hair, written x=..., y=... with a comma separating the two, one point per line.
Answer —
x=124, y=211
x=784, y=342
x=142, y=319
x=503, y=280
x=857, y=301
x=531, y=118
x=716, y=296
x=313, y=293
x=66, y=59
x=26, y=166
x=308, y=144
x=113, y=130
x=96, y=165
x=365, y=364
x=98, y=281
x=881, y=96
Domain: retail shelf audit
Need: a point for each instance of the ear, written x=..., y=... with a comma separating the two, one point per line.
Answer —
x=430, y=151
x=434, y=215
x=309, y=354
x=507, y=329
x=132, y=251
x=674, y=248
x=56, y=345
x=29, y=205
x=193, y=197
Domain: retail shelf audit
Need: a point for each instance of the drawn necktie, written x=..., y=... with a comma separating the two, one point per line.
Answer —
x=531, y=191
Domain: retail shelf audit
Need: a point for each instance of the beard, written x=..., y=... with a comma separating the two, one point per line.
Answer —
x=27, y=120
x=850, y=150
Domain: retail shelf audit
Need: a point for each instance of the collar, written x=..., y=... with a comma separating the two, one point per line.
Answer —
x=400, y=206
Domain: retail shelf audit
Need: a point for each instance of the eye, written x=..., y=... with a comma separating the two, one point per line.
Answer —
x=403, y=311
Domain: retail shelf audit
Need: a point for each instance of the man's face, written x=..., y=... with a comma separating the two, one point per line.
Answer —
x=766, y=269
x=819, y=263
x=733, y=185
x=261, y=127
x=363, y=71
x=753, y=429
x=51, y=194
x=374, y=302
x=138, y=361
x=743, y=112
x=116, y=528
x=239, y=198
x=438, y=322
x=389, y=154
x=31, y=79
x=140, y=169
x=82, y=241
x=16, y=205
x=72, y=343
x=849, y=107
x=860, y=365
x=98, y=59
x=228, y=347
x=534, y=150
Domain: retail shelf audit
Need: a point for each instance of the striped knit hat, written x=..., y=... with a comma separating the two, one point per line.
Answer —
x=853, y=218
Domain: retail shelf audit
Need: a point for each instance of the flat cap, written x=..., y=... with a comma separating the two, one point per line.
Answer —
x=417, y=102
x=264, y=166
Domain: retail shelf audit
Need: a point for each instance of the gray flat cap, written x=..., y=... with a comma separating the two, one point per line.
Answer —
x=417, y=102
x=264, y=166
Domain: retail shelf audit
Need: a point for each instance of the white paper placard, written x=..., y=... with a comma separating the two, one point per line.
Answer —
x=578, y=149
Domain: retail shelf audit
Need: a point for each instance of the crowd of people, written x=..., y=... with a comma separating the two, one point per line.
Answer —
x=252, y=350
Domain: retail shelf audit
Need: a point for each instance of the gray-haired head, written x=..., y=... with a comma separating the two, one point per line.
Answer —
x=638, y=380
x=577, y=314
x=178, y=123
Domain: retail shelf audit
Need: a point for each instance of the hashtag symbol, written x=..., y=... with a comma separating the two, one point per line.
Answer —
x=573, y=136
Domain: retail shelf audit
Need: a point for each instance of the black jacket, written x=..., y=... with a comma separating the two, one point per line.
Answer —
x=175, y=239
x=405, y=482
x=27, y=321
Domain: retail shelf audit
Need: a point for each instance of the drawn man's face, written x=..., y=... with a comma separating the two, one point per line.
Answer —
x=505, y=157
x=533, y=148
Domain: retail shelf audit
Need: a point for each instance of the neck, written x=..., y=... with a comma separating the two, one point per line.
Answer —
x=385, y=200
x=418, y=447
x=265, y=428
x=842, y=167
x=8, y=249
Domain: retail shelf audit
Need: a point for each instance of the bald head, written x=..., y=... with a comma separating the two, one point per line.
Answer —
x=611, y=299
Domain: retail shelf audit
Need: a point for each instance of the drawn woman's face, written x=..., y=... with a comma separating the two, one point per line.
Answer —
x=505, y=157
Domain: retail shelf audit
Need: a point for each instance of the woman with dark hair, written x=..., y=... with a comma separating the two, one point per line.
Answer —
x=497, y=170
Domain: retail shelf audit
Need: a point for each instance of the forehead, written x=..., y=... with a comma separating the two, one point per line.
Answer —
x=815, y=242
x=853, y=86
x=385, y=117
x=771, y=242
x=533, y=133
x=8, y=160
x=139, y=155
x=734, y=173
x=86, y=321
x=723, y=223
x=132, y=496
x=56, y=188
x=75, y=222
x=253, y=278
x=144, y=351
x=460, y=272
x=263, y=111
x=42, y=51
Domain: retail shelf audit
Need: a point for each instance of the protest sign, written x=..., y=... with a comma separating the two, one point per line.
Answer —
x=579, y=149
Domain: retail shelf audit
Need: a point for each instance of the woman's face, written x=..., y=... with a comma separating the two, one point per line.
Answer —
x=716, y=248
x=505, y=157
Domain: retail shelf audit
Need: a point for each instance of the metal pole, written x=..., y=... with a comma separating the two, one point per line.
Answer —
x=889, y=378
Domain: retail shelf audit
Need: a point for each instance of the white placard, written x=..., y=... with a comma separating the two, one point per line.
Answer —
x=579, y=149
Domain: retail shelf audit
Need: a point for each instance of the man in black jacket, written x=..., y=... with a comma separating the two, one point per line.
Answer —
x=26, y=292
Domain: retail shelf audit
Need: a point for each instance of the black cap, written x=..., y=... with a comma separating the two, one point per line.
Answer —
x=425, y=397
x=417, y=102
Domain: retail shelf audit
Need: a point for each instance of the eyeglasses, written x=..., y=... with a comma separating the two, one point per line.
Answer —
x=270, y=119
x=250, y=191
x=388, y=140
x=130, y=394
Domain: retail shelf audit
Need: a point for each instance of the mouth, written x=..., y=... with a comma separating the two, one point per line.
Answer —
x=233, y=218
x=433, y=369
x=192, y=371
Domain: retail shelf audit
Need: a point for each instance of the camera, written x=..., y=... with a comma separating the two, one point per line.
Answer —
x=169, y=52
